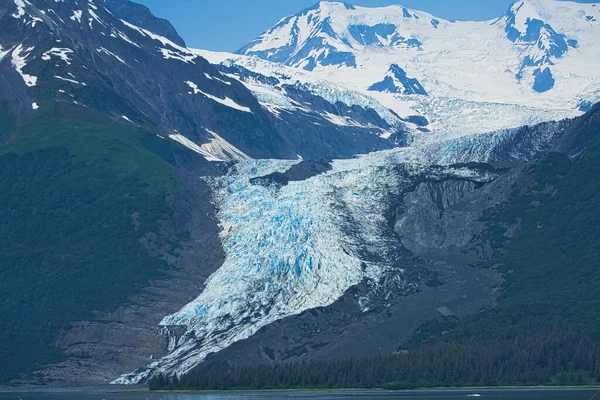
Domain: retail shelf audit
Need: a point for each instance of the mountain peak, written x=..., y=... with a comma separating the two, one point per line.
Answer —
x=329, y=32
x=140, y=15
x=529, y=42
x=333, y=3
x=567, y=14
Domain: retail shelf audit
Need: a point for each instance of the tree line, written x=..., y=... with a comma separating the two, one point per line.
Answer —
x=557, y=356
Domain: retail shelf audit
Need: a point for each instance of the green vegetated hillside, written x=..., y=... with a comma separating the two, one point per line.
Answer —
x=544, y=329
x=551, y=268
x=78, y=190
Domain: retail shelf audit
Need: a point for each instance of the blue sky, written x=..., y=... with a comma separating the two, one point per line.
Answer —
x=227, y=25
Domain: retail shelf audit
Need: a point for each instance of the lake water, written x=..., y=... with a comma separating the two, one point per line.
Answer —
x=581, y=394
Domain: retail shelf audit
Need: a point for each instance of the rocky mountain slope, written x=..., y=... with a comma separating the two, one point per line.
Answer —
x=81, y=53
x=104, y=220
x=74, y=51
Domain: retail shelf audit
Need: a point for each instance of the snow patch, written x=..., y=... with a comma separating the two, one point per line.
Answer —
x=34, y=21
x=226, y=101
x=76, y=16
x=170, y=54
x=62, y=53
x=178, y=52
x=217, y=149
x=70, y=80
x=110, y=53
x=3, y=53
x=19, y=61
x=20, y=9
x=216, y=79
x=95, y=17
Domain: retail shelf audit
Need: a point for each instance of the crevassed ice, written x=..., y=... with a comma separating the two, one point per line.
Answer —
x=453, y=118
x=303, y=221
x=290, y=249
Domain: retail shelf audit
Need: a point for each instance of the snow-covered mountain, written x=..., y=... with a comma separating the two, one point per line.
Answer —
x=541, y=57
x=82, y=51
x=282, y=89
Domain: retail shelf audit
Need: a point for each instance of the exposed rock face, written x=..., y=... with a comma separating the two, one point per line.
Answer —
x=442, y=221
x=141, y=16
x=397, y=81
x=299, y=172
x=426, y=220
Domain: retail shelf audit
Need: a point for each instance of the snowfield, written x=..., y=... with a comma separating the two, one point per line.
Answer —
x=490, y=75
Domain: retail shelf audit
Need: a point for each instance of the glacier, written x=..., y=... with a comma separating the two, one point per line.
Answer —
x=302, y=245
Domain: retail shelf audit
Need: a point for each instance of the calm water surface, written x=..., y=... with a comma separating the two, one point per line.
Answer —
x=583, y=394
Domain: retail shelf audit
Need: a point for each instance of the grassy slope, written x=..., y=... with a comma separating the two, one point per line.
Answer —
x=70, y=183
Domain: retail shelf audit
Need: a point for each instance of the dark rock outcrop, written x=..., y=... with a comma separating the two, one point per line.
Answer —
x=299, y=172
x=140, y=15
